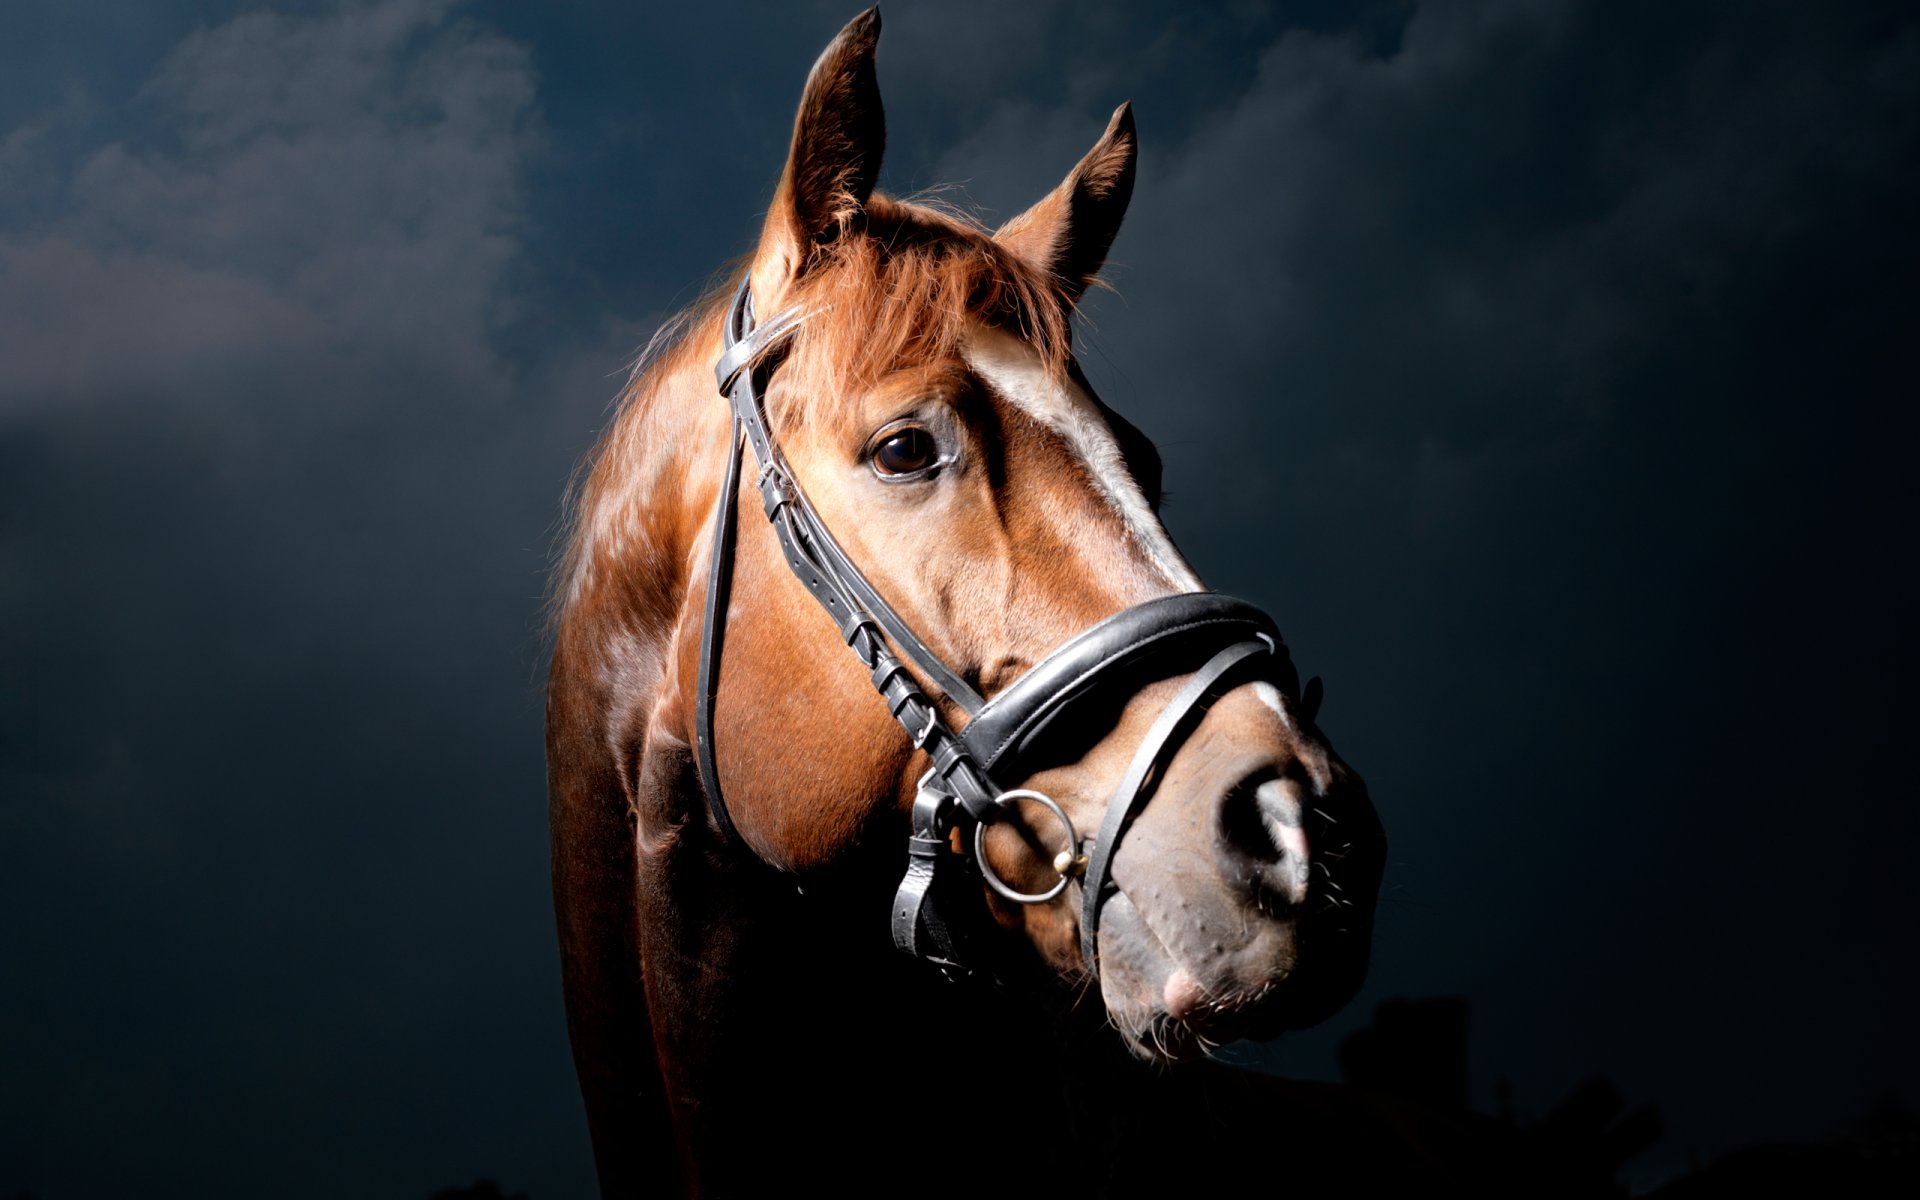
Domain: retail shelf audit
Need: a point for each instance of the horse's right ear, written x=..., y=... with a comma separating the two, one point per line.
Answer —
x=838, y=138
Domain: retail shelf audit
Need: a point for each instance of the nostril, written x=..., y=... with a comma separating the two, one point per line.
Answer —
x=1243, y=827
x=1280, y=808
x=1261, y=836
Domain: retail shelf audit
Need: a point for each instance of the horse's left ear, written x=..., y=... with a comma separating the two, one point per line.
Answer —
x=1071, y=230
x=839, y=135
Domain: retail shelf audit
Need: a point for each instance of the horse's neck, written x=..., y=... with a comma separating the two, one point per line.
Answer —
x=643, y=505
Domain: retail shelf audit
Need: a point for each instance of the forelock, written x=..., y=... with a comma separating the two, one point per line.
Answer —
x=901, y=292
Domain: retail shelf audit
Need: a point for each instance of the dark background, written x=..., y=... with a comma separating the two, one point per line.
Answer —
x=1549, y=368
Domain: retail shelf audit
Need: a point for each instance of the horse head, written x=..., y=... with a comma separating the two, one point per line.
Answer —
x=924, y=425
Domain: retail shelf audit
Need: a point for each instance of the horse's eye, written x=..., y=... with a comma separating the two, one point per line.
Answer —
x=905, y=452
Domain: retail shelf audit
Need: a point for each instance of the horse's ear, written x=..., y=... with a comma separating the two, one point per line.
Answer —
x=838, y=138
x=1071, y=230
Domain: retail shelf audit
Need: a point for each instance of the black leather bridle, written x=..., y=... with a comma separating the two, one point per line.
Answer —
x=1224, y=642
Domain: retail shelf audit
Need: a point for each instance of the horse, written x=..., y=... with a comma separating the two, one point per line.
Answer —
x=1012, y=655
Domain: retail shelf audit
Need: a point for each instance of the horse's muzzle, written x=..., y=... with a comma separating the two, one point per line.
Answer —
x=1246, y=907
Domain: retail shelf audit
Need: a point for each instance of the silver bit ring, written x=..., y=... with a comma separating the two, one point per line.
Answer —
x=999, y=885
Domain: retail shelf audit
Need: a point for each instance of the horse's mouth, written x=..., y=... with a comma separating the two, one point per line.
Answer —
x=1157, y=1003
x=1206, y=1027
x=1171, y=1011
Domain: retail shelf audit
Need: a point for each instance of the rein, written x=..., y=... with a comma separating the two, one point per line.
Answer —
x=1229, y=641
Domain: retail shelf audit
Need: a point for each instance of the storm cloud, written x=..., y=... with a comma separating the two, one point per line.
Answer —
x=1546, y=368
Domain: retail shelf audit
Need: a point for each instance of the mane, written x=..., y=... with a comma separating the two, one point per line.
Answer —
x=901, y=290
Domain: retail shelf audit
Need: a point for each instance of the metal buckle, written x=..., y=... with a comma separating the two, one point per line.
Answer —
x=920, y=739
x=1074, y=861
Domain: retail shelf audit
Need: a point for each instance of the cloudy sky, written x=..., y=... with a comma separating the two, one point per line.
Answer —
x=1548, y=368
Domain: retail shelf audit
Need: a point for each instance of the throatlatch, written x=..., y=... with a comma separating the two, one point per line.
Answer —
x=1222, y=641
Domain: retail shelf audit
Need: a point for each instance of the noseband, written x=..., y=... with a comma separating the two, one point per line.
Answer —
x=1224, y=643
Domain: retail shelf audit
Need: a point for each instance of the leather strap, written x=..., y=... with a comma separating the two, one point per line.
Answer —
x=1224, y=671
x=826, y=572
x=811, y=551
x=925, y=901
x=1174, y=632
x=712, y=632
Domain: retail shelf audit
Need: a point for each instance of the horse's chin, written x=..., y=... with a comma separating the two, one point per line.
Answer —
x=1162, y=1011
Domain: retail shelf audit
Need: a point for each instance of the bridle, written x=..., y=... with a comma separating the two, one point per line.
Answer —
x=1224, y=642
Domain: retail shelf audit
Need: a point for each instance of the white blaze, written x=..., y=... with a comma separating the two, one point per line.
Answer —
x=1015, y=371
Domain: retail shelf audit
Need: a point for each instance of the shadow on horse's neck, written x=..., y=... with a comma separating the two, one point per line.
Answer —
x=808, y=1040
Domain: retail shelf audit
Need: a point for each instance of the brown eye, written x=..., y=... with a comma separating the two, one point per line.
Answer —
x=906, y=452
